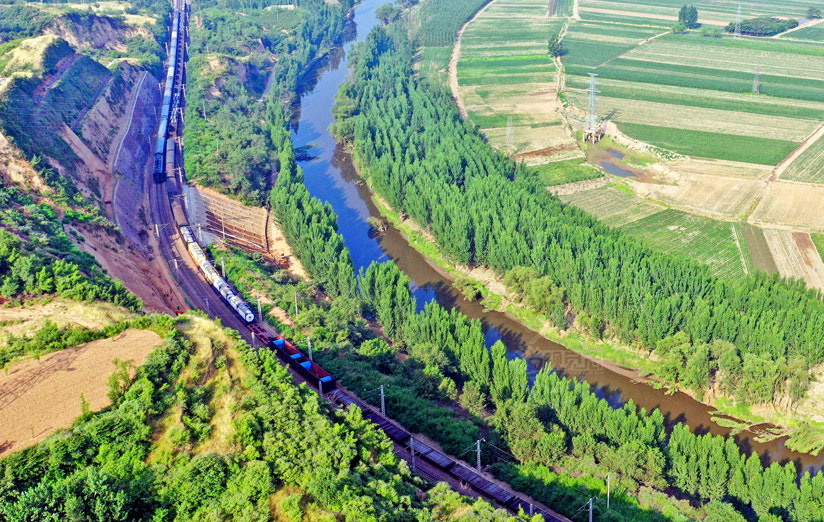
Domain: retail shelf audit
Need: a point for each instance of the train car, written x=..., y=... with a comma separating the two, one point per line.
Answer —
x=159, y=172
x=310, y=370
x=188, y=236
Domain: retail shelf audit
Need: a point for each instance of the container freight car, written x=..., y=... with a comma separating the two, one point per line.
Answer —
x=307, y=368
x=221, y=286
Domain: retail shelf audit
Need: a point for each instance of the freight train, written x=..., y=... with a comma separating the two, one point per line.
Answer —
x=213, y=277
x=160, y=156
x=425, y=452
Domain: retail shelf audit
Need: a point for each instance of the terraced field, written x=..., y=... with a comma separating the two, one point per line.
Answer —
x=612, y=206
x=508, y=82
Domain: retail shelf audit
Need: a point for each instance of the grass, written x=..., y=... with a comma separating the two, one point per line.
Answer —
x=560, y=172
x=681, y=234
x=809, y=166
x=712, y=145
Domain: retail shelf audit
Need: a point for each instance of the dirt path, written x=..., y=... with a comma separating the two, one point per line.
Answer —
x=38, y=397
x=779, y=170
x=645, y=15
x=124, y=129
x=794, y=29
x=453, y=63
x=576, y=14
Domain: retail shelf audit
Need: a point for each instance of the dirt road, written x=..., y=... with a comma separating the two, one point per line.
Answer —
x=453, y=63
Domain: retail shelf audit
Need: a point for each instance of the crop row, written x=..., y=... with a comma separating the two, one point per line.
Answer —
x=701, y=98
x=703, y=239
x=703, y=78
x=747, y=149
x=809, y=166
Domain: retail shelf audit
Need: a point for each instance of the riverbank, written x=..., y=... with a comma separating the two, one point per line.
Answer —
x=803, y=430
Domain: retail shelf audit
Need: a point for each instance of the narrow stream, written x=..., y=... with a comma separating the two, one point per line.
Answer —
x=331, y=177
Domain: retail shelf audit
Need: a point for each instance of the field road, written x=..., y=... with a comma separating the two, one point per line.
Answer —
x=453, y=63
x=818, y=134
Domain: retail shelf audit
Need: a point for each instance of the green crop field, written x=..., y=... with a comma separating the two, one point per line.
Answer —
x=439, y=20
x=809, y=166
x=747, y=149
x=614, y=207
x=561, y=172
x=818, y=241
x=703, y=239
x=507, y=79
x=815, y=33
x=433, y=63
x=694, y=94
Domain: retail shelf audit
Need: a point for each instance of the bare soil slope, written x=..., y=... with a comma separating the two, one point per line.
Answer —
x=38, y=397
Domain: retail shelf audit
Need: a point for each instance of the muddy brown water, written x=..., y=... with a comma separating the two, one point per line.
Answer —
x=330, y=176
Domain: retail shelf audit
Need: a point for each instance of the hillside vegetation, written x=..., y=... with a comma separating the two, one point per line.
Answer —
x=210, y=428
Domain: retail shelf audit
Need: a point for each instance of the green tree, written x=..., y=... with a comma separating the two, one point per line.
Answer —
x=688, y=15
x=387, y=13
x=555, y=47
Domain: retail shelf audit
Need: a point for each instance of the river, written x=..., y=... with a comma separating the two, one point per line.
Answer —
x=330, y=176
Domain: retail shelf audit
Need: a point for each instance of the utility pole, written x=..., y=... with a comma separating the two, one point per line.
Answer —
x=222, y=267
x=590, y=509
x=208, y=308
x=176, y=267
x=310, y=349
x=608, y=477
x=478, y=455
x=200, y=233
x=296, y=306
x=253, y=340
x=383, y=402
x=412, y=450
x=260, y=313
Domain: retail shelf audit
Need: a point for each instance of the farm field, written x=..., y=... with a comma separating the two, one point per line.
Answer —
x=809, y=166
x=709, y=11
x=693, y=95
x=814, y=33
x=725, y=197
x=508, y=82
x=753, y=239
x=611, y=205
x=715, y=243
x=792, y=204
x=38, y=397
x=796, y=256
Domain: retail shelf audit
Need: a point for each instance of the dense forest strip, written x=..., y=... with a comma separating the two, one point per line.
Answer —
x=383, y=61
x=484, y=210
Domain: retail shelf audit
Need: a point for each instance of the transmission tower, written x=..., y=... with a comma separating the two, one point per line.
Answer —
x=509, y=134
x=738, y=22
x=756, y=82
x=592, y=117
x=592, y=132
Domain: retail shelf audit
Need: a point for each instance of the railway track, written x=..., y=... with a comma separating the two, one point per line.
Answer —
x=429, y=462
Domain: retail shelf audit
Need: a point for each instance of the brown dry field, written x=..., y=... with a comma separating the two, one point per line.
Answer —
x=716, y=195
x=733, y=169
x=796, y=256
x=791, y=204
x=38, y=397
